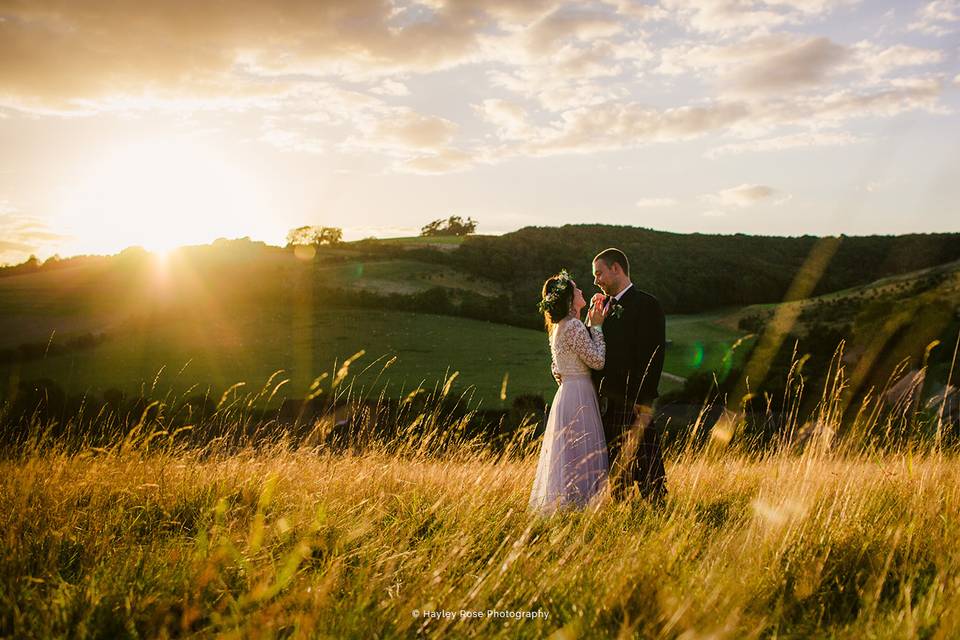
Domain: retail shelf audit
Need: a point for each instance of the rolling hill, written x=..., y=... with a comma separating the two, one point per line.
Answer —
x=237, y=311
x=892, y=329
x=696, y=273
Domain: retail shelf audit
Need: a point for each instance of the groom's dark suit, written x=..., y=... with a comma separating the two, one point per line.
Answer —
x=631, y=374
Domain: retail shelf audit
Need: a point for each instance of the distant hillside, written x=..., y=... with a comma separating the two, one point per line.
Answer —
x=95, y=294
x=937, y=286
x=240, y=309
x=692, y=273
x=912, y=318
x=890, y=330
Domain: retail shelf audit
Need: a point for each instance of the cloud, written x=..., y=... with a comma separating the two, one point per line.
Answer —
x=313, y=118
x=510, y=118
x=408, y=129
x=812, y=7
x=554, y=91
x=563, y=77
x=98, y=55
x=765, y=64
x=570, y=58
x=324, y=118
x=622, y=125
x=723, y=15
x=22, y=235
x=418, y=143
x=745, y=195
x=391, y=88
x=774, y=64
x=553, y=31
x=656, y=202
x=728, y=16
x=877, y=61
x=444, y=161
x=9, y=246
x=58, y=53
x=638, y=9
x=800, y=64
x=301, y=140
x=937, y=18
x=918, y=94
x=779, y=143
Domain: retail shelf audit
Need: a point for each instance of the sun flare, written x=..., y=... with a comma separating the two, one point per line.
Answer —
x=160, y=194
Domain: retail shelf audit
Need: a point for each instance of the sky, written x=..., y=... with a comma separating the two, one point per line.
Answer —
x=177, y=122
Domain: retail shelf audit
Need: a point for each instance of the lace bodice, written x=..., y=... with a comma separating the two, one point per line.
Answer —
x=573, y=350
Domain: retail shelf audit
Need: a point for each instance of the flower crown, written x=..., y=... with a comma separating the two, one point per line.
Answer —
x=558, y=289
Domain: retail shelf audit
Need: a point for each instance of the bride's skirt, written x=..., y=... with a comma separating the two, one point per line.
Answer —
x=572, y=469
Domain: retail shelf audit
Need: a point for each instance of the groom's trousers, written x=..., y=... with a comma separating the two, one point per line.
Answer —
x=645, y=473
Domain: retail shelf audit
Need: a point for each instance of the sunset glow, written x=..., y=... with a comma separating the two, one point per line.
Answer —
x=180, y=122
x=158, y=194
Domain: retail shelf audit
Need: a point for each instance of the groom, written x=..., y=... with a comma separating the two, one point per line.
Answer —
x=627, y=385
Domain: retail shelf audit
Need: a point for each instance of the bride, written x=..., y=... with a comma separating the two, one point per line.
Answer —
x=572, y=469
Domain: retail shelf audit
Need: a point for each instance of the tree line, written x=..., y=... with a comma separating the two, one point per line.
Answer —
x=693, y=273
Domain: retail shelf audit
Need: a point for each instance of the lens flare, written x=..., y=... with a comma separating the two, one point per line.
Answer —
x=696, y=358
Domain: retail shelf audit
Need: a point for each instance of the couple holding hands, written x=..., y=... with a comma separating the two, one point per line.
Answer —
x=600, y=439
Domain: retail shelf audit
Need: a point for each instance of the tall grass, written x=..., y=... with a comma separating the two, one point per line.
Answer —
x=153, y=535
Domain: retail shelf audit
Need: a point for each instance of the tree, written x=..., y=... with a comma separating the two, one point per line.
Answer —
x=331, y=235
x=314, y=236
x=432, y=229
x=452, y=226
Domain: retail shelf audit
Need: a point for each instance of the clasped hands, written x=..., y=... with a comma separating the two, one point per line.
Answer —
x=600, y=306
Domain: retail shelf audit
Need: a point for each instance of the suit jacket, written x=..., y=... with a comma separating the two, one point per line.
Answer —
x=635, y=349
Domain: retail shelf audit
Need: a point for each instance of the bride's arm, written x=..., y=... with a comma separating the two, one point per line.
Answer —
x=553, y=367
x=591, y=349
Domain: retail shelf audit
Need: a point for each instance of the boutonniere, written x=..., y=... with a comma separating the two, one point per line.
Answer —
x=616, y=310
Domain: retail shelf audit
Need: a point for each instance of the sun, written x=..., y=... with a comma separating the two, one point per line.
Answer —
x=160, y=193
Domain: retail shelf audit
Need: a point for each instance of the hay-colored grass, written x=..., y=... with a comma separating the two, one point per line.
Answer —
x=283, y=542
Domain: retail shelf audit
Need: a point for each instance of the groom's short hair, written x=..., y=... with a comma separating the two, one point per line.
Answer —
x=614, y=256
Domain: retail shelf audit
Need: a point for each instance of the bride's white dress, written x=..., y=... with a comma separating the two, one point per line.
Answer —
x=572, y=469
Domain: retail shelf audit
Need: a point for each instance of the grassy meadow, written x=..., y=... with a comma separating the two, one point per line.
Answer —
x=398, y=519
x=148, y=538
x=223, y=528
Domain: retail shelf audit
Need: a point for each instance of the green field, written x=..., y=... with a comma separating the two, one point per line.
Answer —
x=451, y=241
x=702, y=343
x=220, y=353
x=216, y=317
x=216, y=352
x=401, y=276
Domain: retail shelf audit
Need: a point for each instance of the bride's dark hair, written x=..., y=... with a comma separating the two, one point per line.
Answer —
x=557, y=297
